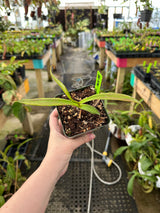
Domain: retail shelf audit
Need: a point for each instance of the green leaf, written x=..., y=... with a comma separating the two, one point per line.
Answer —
x=109, y=96
x=62, y=86
x=19, y=111
x=12, y=59
x=120, y=150
x=2, y=201
x=145, y=163
x=8, y=96
x=11, y=171
x=2, y=187
x=24, y=142
x=48, y=102
x=19, y=157
x=7, y=78
x=135, y=146
x=7, y=110
x=130, y=184
x=157, y=167
x=89, y=108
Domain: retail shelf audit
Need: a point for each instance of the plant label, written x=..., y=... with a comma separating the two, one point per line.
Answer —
x=98, y=82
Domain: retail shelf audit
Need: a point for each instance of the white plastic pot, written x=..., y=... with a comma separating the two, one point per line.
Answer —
x=134, y=128
x=116, y=131
x=128, y=137
x=144, y=173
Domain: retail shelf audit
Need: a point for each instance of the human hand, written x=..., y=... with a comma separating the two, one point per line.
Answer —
x=60, y=148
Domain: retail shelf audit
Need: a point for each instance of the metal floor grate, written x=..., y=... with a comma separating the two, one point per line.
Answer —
x=71, y=192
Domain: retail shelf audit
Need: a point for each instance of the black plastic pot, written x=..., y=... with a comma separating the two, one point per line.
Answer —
x=117, y=15
x=85, y=117
x=155, y=83
x=44, y=17
x=103, y=16
x=146, y=15
x=26, y=18
x=34, y=18
x=16, y=78
x=143, y=76
x=21, y=71
x=126, y=31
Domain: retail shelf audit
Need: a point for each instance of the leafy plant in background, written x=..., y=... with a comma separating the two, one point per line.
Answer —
x=147, y=4
x=11, y=176
x=147, y=153
x=10, y=90
x=102, y=8
x=144, y=151
x=80, y=104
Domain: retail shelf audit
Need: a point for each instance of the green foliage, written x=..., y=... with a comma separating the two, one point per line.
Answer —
x=81, y=104
x=10, y=90
x=6, y=82
x=4, y=25
x=147, y=4
x=11, y=176
x=122, y=119
x=146, y=152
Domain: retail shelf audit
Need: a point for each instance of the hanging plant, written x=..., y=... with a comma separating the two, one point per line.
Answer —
x=26, y=5
x=39, y=10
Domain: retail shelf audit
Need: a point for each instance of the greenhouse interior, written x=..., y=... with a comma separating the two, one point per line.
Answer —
x=63, y=150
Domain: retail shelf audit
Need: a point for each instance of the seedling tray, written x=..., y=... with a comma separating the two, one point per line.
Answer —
x=155, y=83
x=136, y=54
x=143, y=76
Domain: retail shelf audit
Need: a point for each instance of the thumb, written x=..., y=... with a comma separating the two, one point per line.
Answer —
x=82, y=140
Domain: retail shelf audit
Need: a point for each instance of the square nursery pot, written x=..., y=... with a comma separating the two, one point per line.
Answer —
x=21, y=71
x=117, y=15
x=146, y=15
x=76, y=122
x=17, y=78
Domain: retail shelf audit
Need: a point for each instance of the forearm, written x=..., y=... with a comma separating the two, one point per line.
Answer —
x=34, y=194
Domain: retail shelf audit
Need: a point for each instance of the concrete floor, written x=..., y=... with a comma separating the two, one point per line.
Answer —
x=146, y=203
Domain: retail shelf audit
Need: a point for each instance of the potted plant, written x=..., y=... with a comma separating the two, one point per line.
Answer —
x=10, y=171
x=147, y=12
x=148, y=8
x=87, y=104
x=102, y=10
x=120, y=120
x=10, y=93
x=142, y=153
x=145, y=153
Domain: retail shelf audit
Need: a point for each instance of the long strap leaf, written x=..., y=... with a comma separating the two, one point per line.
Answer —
x=109, y=96
x=48, y=102
x=89, y=108
x=58, y=102
x=62, y=86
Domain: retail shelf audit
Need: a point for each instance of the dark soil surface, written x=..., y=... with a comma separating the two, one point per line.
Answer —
x=76, y=121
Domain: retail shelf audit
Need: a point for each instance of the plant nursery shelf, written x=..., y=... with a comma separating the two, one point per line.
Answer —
x=123, y=64
x=101, y=45
x=147, y=95
x=27, y=124
x=49, y=58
